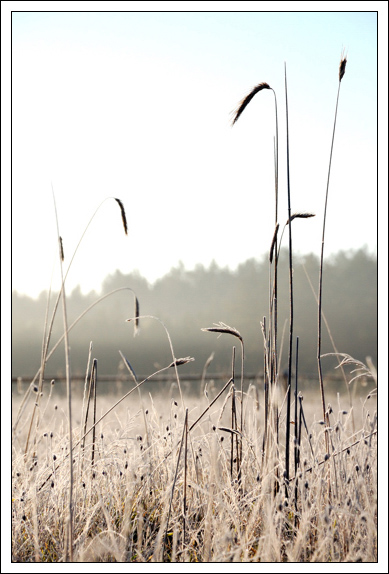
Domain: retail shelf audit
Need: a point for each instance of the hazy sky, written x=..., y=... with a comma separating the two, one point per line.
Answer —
x=137, y=105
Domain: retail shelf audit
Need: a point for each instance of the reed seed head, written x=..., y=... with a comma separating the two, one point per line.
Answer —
x=61, y=249
x=342, y=67
x=179, y=362
x=273, y=243
x=136, y=316
x=245, y=102
x=300, y=216
x=123, y=213
x=223, y=328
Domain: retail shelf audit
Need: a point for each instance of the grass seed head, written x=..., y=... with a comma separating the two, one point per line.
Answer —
x=300, y=215
x=122, y=211
x=223, y=328
x=342, y=67
x=273, y=243
x=61, y=249
x=179, y=362
x=245, y=102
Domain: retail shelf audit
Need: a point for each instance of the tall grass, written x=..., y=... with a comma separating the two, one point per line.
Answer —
x=342, y=69
x=208, y=478
x=132, y=508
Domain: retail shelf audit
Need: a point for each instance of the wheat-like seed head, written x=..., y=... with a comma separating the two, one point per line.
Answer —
x=179, y=362
x=61, y=249
x=342, y=67
x=300, y=215
x=223, y=328
x=136, y=316
x=244, y=103
x=273, y=243
x=122, y=211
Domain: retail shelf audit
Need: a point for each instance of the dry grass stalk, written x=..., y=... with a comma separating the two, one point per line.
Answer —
x=291, y=306
x=94, y=383
x=342, y=68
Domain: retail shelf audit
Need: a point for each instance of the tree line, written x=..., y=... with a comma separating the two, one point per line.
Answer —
x=186, y=301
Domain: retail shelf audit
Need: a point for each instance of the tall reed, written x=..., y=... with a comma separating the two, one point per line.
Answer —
x=342, y=69
x=291, y=317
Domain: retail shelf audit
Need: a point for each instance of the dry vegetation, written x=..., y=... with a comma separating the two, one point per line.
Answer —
x=250, y=472
x=122, y=501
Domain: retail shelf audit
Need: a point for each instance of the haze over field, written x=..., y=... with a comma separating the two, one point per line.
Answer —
x=187, y=301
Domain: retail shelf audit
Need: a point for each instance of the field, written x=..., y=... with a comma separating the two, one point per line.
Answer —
x=144, y=498
x=242, y=471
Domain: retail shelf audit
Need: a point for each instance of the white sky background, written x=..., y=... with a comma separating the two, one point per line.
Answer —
x=138, y=106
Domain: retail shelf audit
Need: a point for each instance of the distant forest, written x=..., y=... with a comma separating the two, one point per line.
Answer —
x=185, y=301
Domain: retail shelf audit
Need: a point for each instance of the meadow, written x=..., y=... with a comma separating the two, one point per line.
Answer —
x=150, y=492
x=241, y=471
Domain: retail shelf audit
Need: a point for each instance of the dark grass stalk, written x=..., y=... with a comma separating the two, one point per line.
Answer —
x=298, y=423
x=94, y=383
x=274, y=317
x=296, y=427
x=184, y=516
x=84, y=417
x=88, y=402
x=287, y=439
x=233, y=413
x=296, y=410
x=342, y=68
x=234, y=428
x=299, y=428
x=305, y=425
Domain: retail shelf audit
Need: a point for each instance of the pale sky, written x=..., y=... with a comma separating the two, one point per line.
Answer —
x=137, y=105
